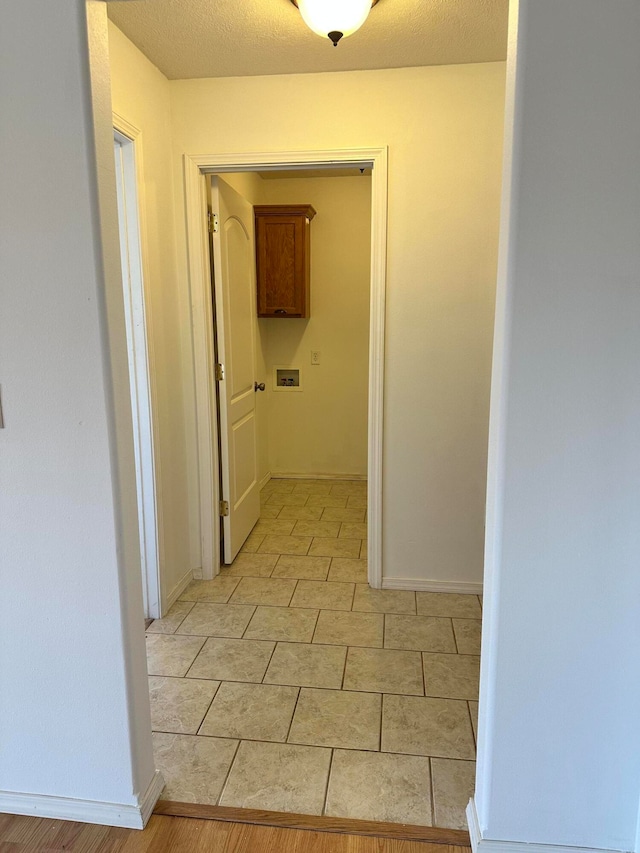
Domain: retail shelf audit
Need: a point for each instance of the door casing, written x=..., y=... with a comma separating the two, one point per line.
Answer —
x=195, y=169
x=142, y=374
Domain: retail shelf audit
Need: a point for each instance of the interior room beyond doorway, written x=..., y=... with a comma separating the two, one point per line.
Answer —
x=311, y=417
x=320, y=429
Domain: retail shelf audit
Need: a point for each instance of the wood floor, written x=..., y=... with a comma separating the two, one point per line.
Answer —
x=189, y=835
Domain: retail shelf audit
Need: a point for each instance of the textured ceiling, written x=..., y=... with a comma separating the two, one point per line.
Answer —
x=228, y=38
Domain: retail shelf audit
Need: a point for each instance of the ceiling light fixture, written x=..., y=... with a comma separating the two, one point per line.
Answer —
x=335, y=19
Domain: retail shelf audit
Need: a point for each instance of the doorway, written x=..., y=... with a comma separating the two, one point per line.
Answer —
x=196, y=168
x=293, y=382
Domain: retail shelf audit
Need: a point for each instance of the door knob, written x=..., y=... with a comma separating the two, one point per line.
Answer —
x=259, y=386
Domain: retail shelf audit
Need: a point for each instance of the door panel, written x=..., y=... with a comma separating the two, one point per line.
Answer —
x=239, y=292
x=244, y=454
x=234, y=289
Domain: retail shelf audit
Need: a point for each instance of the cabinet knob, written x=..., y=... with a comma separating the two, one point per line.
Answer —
x=280, y=311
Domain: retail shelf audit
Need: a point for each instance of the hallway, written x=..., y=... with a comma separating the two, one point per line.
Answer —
x=288, y=684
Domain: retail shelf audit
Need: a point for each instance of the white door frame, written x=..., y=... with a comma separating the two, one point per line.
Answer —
x=142, y=375
x=195, y=167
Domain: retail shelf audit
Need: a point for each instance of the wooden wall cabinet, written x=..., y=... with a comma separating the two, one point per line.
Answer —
x=283, y=263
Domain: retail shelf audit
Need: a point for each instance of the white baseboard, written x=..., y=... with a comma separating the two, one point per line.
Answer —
x=281, y=475
x=263, y=482
x=151, y=797
x=85, y=811
x=179, y=588
x=486, y=845
x=474, y=826
x=426, y=585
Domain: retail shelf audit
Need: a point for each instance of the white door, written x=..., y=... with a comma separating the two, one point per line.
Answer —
x=235, y=308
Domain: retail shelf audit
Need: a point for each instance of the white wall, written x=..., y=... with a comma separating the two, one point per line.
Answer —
x=559, y=747
x=323, y=428
x=74, y=708
x=444, y=130
x=140, y=94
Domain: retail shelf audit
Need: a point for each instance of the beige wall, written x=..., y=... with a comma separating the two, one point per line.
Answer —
x=140, y=94
x=248, y=184
x=443, y=126
x=323, y=428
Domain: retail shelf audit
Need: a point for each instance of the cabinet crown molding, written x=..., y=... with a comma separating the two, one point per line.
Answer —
x=285, y=210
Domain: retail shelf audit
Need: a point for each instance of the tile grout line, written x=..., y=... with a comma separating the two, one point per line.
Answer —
x=432, y=793
x=316, y=746
x=306, y=608
x=315, y=628
x=287, y=743
x=322, y=746
x=229, y=769
x=183, y=618
x=188, y=670
x=242, y=637
x=344, y=669
x=215, y=693
x=326, y=790
x=329, y=570
x=295, y=708
x=473, y=730
x=264, y=674
x=293, y=591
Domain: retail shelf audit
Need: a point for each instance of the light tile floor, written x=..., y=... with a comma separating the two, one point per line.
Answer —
x=288, y=684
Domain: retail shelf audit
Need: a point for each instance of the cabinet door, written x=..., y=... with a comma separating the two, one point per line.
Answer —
x=282, y=266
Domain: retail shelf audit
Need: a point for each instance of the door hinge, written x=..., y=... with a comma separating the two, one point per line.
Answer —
x=212, y=219
x=224, y=508
x=219, y=372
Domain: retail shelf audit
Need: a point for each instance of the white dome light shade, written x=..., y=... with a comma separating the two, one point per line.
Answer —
x=334, y=17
